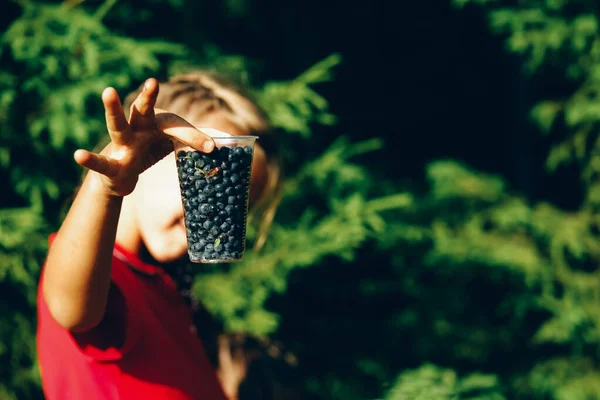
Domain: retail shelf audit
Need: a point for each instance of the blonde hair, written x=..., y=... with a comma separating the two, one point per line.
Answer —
x=201, y=93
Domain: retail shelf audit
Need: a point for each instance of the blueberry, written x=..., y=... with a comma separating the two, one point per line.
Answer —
x=214, y=231
x=224, y=152
x=195, y=215
x=181, y=154
x=220, y=207
x=234, y=178
x=211, y=200
x=229, y=208
x=248, y=150
x=196, y=155
x=219, y=187
x=224, y=239
x=207, y=168
x=224, y=227
x=189, y=163
x=223, y=213
x=209, y=189
x=229, y=191
x=235, y=166
x=188, y=193
x=212, y=209
x=226, y=173
x=240, y=188
x=239, y=151
x=201, y=197
x=228, y=246
x=204, y=208
x=225, y=165
x=207, y=224
x=231, y=200
x=194, y=202
x=219, y=195
x=209, y=247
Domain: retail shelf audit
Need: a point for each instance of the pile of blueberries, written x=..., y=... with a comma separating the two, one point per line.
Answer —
x=214, y=189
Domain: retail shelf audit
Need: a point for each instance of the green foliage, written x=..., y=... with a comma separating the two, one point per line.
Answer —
x=293, y=105
x=238, y=295
x=433, y=383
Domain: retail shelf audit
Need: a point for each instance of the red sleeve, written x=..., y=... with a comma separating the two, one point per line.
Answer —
x=116, y=334
x=119, y=329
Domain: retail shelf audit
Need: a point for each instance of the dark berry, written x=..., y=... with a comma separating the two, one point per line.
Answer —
x=209, y=190
x=248, y=150
x=239, y=152
x=207, y=224
x=224, y=152
x=231, y=200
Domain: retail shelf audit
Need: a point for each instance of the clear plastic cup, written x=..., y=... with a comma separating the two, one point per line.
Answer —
x=214, y=192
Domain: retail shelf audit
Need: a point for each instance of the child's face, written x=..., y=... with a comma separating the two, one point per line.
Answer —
x=158, y=208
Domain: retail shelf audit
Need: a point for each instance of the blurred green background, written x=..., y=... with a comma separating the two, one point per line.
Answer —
x=439, y=236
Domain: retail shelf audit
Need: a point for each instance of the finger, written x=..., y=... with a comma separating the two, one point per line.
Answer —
x=116, y=123
x=142, y=110
x=178, y=128
x=97, y=162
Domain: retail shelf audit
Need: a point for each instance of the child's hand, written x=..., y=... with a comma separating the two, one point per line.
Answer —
x=138, y=144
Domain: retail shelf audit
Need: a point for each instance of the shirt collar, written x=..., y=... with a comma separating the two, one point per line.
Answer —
x=132, y=260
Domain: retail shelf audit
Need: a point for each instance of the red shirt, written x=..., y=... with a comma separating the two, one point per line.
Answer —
x=159, y=357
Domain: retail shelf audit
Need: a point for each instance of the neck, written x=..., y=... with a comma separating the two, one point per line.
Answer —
x=128, y=234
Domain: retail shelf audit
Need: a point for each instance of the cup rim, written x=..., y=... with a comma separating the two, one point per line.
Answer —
x=232, y=137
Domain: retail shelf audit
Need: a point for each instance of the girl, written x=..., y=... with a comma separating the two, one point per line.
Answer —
x=111, y=322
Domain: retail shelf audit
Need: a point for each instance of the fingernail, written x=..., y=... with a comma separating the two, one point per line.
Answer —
x=208, y=146
x=147, y=84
